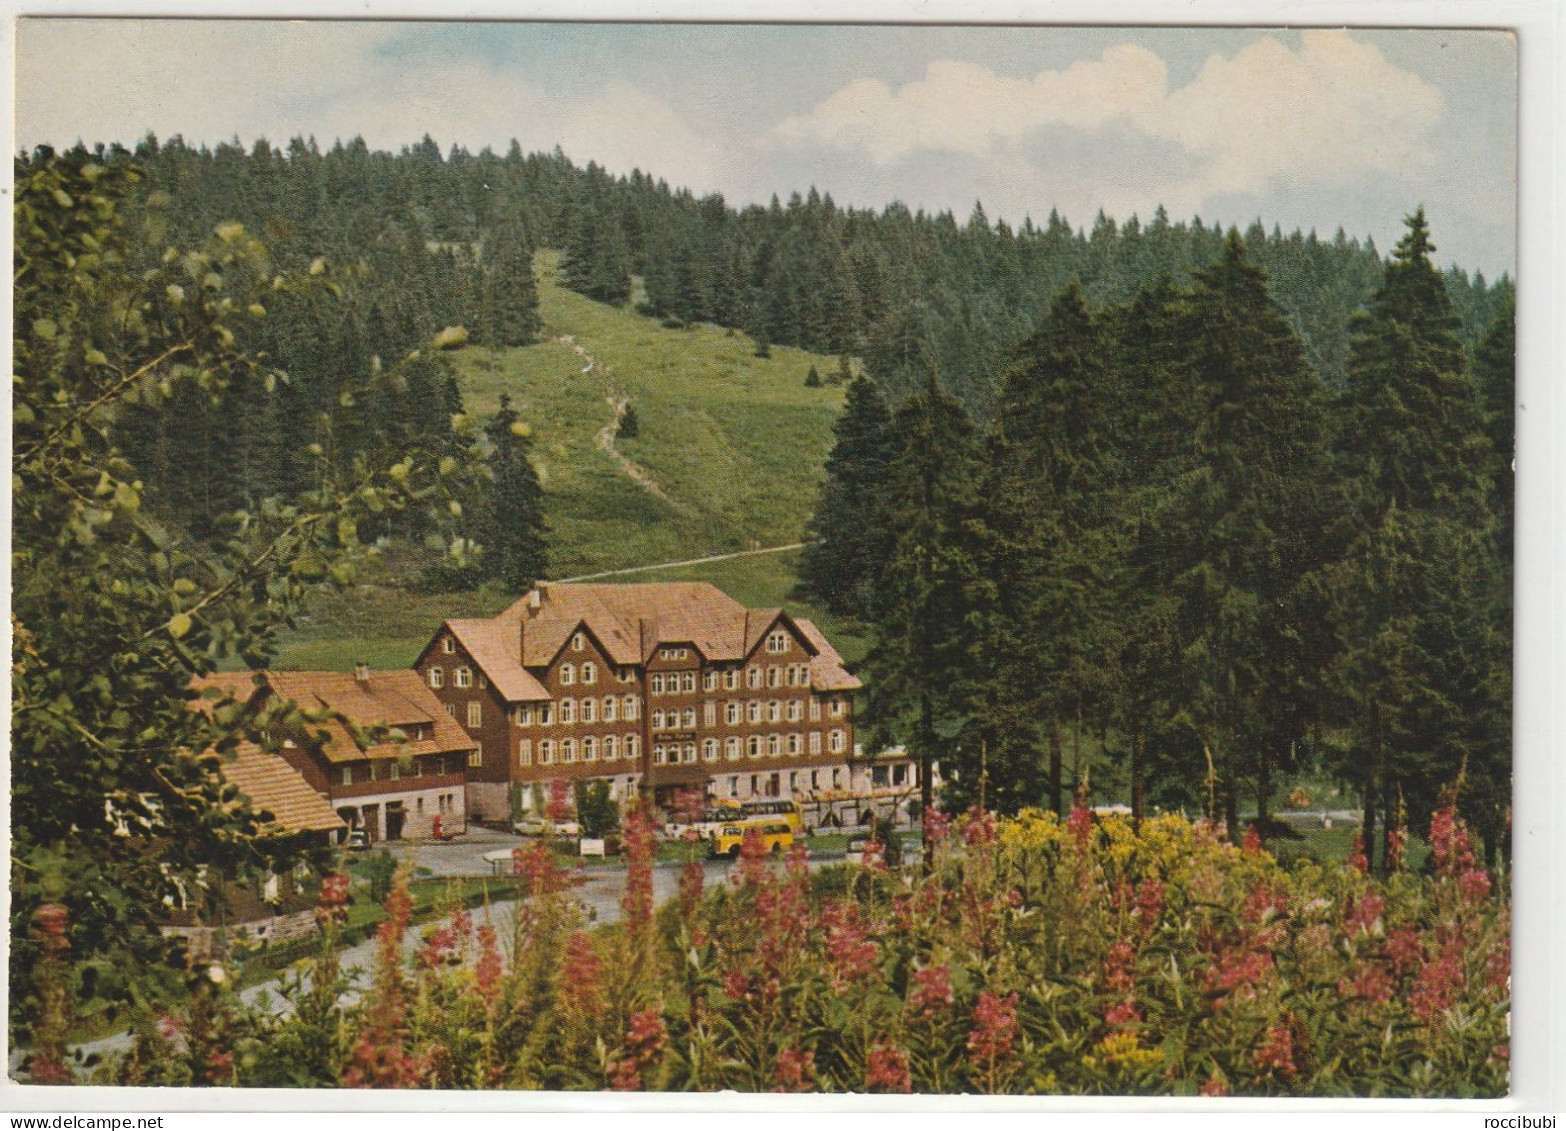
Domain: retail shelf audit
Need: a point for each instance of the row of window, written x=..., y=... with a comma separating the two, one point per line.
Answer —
x=733, y=749
x=661, y=683
x=609, y=748
x=391, y=769
x=610, y=710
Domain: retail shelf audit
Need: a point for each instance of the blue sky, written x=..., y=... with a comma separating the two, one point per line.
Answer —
x=1315, y=128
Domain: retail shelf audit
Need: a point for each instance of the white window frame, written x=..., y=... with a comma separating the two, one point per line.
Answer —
x=589, y=672
x=709, y=750
x=475, y=713
x=567, y=675
x=568, y=751
x=567, y=711
x=688, y=683
x=733, y=713
x=462, y=677
x=611, y=708
x=688, y=718
x=525, y=752
x=611, y=748
x=837, y=741
x=589, y=710
x=546, y=752
x=590, y=749
x=437, y=678
x=733, y=749
x=524, y=716
x=546, y=714
x=448, y=645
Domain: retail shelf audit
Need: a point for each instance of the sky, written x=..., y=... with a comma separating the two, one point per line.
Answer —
x=1300, y=128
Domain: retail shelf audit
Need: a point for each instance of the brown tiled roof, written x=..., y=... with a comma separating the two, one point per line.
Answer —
x=270, y=783
x=629, y=622
x=396, y=698
x=827, y=672
x=493, y=645
x=210, y=689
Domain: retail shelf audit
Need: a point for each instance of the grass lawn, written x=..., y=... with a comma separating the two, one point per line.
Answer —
x=736, y=443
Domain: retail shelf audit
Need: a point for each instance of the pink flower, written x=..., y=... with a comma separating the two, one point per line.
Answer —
x=490, y=969
x=1436, y=987
x=1123, y=1014
x=994, y=1032
x=559, y=806
x=692, y=876
x=579, y=974
x=1498, y=967
x=1118, y=973
x=932, y=990
x=1405, y=950
x=1371, y=982
x=1277, y=1052
x=1149, y=904
x=886, y=1069
x=1357, y=859
x=937, y=826
x=1080, y=825
x=643, y=1044
x=640, y=845
x=1253, y=840
x=978, y=827
x=1475, y=885
x=1362, y=916
x=851, y=953
x=795, y=1071
x=736, y=983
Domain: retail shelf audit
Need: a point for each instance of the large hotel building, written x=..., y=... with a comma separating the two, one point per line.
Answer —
x=674, y=683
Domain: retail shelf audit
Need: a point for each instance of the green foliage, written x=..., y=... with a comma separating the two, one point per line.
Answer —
x=511, y=523
x=596, y=810
x=118, y=797
x=630, y=427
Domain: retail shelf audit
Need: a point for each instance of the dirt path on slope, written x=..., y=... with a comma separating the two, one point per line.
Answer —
x=617, y=402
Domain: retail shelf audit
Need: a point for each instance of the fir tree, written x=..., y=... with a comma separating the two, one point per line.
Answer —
x=511, y=528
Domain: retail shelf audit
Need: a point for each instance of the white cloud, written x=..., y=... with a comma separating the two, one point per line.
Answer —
x=1327, y=112
x=625, y=128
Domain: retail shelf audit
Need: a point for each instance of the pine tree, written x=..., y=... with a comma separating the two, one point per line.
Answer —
x=508, y=294
x=512, y=526
x=1245, y=527
x=812, y=379
x=849, y=549
x=931, y=595
x=1412, y=442
x=629, y=427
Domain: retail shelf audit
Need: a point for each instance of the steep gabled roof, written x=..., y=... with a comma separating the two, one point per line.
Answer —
x=493, y=645
x=827, y=672
x=268, y=782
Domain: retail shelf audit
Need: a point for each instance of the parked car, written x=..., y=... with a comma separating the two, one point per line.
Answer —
x=542, y=826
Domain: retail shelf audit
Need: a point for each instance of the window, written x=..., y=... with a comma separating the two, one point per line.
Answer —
x=589, y=749
x=396, y=769
x=657, y=683
x=731, y=749
x=546, y=714
x=733, y=785
x=731, y=680
x=753, y=746
x=709, y=750
x=731, y=713
x=774, y=711
x=567, y=711
x=464, y=677
x=793, y=782
x=709, y=681
x=589, y=672
x=709, y=714
x=878, y=777
x=589, y=710
x=835, y=708
x=774, y=676
x=900, y=774
x=688, y=681
x=815, y=742
x=752, y=676
x=815, y=709
x=837, y=741
x=633, y=746
x=611, y=705
x=657, y=719
x=437, y=677
x=815, y=779
x=483, y=682
x=347, y=775
x=567, y=674
x=611, y=748
x=777, y=642
x=753, y=785
x=578, y=644
x=690, y=752
x=568, y=750
x=630, y=705
x=626, y=675
x=451, y=709
x=753, y=711
x=546, y=752
x=476, y=757
x=524, y=716
x=448, y=645
x=658, y=754
x=793, y=710
x=837, y=778
x=793, y=744
x=475, y=714
x=525, y=752
x=689, y=718
x=774, y=745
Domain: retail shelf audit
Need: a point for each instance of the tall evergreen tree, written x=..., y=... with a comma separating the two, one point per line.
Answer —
x=931, y=600
x=850, y=542
x=1412, y=442
x=512, y=526
x=508, y=296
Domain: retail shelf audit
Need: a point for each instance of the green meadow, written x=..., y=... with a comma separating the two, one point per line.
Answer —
x=733, y=444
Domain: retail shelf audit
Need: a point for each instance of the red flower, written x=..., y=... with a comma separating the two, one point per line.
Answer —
x=795, y=1071
x=643, y=1044
x=580, y=973
x=692, y=876
x=490, y=969
x=1475, y=885
x=736, y=983
x=1362, y=916
x=851, y=953
x=1437, y=984
x=1498, y=967
x=1080, y=825
x=1253, y=840
x=932, y=990
x=978, y=827
x=994, y=1032
x=1371, y=981
x=1357, y=859
x=1277, y=1052
x=1405, y=950
x=1213, y=1087
x=937, y=826
x=640, y=846
x=559, y=807
x=1149, y=904
x=1123, y=1014
x=886, y=1069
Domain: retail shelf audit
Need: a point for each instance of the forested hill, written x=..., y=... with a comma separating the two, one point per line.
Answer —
x=906, y=291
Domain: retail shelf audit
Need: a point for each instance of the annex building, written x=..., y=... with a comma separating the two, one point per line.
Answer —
x=674, y=683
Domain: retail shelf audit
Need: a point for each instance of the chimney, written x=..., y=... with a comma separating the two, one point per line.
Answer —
x=361, y=673
x=536, y=596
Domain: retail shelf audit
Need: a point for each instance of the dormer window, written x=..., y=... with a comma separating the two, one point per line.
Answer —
x=777, y=642
x=579, y=642
x=448, y=645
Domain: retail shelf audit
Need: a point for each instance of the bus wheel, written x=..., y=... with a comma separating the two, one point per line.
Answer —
x=734, y=852
x=777, y=847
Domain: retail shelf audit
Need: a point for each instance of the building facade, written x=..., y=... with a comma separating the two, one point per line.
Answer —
x=669, y=686
x=378, y=746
